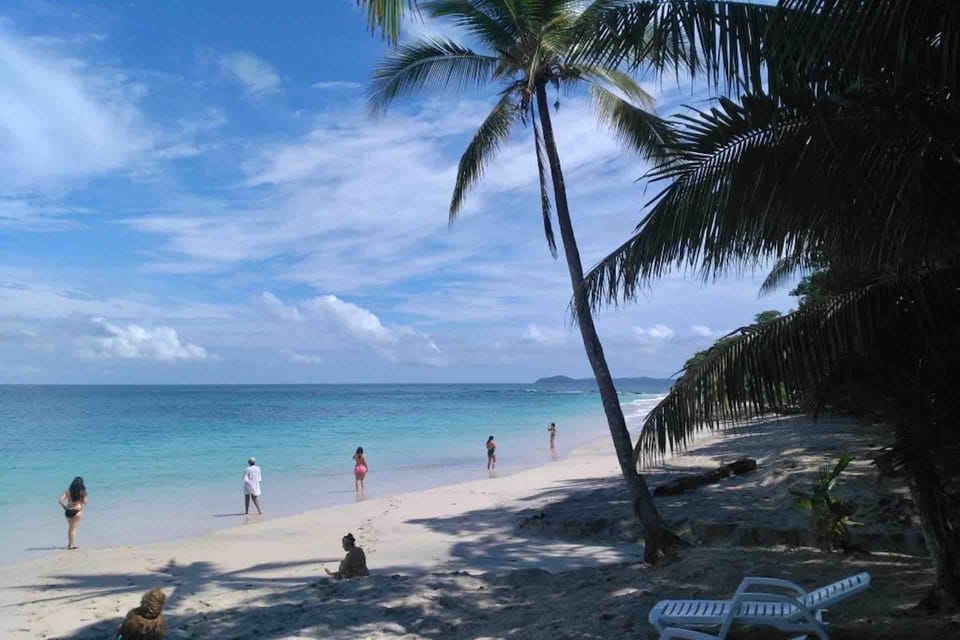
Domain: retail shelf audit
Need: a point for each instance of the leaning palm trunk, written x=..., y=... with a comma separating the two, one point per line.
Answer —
x=529, y=44
x=657, y=537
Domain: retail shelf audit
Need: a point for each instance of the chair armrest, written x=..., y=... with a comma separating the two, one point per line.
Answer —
x=769, y=582
x=672, y=633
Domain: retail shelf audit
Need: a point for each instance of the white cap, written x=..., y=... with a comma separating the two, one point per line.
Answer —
x=252, y=460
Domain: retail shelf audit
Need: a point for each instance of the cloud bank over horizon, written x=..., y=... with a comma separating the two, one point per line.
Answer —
x=215, y=204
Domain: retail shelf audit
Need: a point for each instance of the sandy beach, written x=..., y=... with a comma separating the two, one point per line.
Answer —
x=510, y=556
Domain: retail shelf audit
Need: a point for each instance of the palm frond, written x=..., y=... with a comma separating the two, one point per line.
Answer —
x=486, y=141
x=618, y=80
x=639, y=130
x=781, y=273
x=755, y=182
x=386, y=15
x=484, y=19
x=770, y=367
x=543, y=171
x=433, y=65
x=899, y=42
x=720, y=41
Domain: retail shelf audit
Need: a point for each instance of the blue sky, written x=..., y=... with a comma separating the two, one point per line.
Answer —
x=195, y=193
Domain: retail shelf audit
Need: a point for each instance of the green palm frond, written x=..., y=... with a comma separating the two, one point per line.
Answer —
x=494, y=130
x=720, y=41
x=636, y=128
x=543, y=171
x=770, y=367
x=431, y=65
x=782, y=272
x=386, y=16
x=616, y=79
x=752, y=182
x=483, y=19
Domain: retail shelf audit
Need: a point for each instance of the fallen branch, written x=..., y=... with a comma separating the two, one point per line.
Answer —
x=688, y=483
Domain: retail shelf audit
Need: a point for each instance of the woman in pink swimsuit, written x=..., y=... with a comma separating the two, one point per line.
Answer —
x=360, y=468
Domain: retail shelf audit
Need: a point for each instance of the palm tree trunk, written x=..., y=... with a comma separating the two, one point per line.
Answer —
x=936, y=491
x=657, y=538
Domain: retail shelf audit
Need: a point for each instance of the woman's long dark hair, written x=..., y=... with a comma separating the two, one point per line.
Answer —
x=359, y=451
x=77, y=490
x=489, y=439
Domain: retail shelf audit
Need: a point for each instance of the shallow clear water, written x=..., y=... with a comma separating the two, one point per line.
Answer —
x=166, y=461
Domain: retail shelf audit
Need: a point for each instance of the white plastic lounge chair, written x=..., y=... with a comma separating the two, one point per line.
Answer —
x=799, y=612
x=671, y=633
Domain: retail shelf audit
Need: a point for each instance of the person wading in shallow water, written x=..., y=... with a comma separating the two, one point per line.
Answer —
x=360, y=469
x=354, y=564
x=553, y=435
x=251, y=486
x=72, y=501
x=491, y=454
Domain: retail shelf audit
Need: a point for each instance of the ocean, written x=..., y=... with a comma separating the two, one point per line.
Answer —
x=164, y=462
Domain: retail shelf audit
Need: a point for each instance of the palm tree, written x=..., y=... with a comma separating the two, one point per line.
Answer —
x=529, y=44
x=842, y=152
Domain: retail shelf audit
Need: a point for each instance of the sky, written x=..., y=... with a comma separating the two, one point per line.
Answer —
x=196, y=193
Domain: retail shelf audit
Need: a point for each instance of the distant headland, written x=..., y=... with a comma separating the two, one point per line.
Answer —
x=641, y=384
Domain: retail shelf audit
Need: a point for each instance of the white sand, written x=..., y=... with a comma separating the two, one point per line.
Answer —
x=265, y=579
x=59, y=594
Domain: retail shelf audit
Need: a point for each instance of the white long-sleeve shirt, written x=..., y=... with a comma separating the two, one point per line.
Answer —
x=251, y=480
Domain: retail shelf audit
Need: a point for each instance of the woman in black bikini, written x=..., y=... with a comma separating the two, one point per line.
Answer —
x=72, y=502
x=491, y=454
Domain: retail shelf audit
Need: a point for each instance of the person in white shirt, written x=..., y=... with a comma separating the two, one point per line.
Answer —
x=251, y=486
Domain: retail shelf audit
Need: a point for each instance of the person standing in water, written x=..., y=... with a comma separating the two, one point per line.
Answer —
x=251, y=486
x=553, y=435
x=491, y=454
x=360, y=469
x=72, y=502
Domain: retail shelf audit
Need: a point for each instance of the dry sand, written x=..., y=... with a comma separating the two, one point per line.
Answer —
x=545, y=553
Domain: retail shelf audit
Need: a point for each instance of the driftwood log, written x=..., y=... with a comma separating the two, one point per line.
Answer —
x=688, y=483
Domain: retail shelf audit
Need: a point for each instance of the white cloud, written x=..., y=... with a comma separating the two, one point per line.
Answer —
x=397, y=343
x=256, y=75
x=274, y=307
x=700, y=330
x=61, y=119
x=301, y=358
x=136, y=342
x=535, y=334
x=333, y=85
x=656, y=332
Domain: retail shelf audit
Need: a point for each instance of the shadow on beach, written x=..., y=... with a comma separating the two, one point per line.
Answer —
x=607, y=601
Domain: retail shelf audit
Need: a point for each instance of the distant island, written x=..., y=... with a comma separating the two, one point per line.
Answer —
x=641, y=384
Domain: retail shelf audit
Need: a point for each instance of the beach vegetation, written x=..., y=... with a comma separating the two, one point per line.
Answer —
x=829, y=514
x=527, y=54
x=832, y=150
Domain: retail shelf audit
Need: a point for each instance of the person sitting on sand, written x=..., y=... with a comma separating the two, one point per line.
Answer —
x=553, y=434
x=360, y=469
x=491, y=453
x=354, y=564
x=72, y=502
x=146, y=621
x=251, y=486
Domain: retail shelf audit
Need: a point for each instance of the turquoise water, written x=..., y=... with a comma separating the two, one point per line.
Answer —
x=165, y=461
